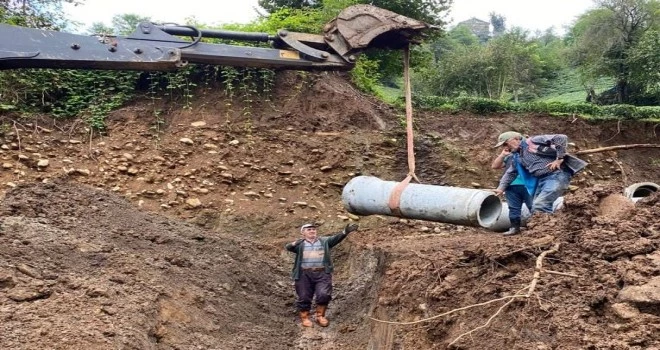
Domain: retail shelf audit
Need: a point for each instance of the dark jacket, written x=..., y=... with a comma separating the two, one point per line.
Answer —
x=327, y=241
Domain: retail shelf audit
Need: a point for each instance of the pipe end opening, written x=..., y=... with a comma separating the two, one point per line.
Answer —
x=490, y=210
x=644, y=191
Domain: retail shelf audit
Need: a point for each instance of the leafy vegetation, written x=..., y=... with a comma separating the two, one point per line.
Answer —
x=610, y=55
x=45, y=14
x=485, y=106
x=609, y=39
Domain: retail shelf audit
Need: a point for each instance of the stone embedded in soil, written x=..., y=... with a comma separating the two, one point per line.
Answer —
x=96, y=292
x=29, y=271
x=187, y=141
x=109, y=310
x=198, y=124
x=83, y=172
x=625, y=310
x=42, y=163
x=648, y=293
x=194, y=202
x=21, y=294
x=6, y=280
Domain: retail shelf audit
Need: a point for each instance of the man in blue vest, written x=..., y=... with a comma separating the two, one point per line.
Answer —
x=539, y=160
x=516, y=193
x=312, y=270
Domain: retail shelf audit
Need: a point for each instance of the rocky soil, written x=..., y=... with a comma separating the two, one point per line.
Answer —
x=168, y=231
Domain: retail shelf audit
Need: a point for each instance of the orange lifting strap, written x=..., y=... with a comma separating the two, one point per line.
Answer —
x=395, y=196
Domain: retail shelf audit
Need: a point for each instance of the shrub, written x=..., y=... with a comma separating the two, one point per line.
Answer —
x=488, y=106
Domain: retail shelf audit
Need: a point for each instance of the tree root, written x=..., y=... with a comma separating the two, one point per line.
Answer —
x=531, y=287
x=614, y=148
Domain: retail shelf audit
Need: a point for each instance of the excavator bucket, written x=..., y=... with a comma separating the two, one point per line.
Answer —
x=360, y=27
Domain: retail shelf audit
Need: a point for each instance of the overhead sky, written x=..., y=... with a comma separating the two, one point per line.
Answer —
x=529, y=14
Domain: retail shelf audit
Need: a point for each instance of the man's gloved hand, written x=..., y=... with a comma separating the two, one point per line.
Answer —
x=350, y=228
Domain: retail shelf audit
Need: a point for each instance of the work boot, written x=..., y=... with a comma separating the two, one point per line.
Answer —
x=514, y=230
x=304, y=319
x=320, y=315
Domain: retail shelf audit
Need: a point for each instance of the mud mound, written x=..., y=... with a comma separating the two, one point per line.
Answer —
x=616, y=206
x=84, y=269
x=604, y=297
x=327, y=102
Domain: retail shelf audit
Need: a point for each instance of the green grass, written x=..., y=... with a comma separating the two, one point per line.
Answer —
x=567, y=88
x=389, y=94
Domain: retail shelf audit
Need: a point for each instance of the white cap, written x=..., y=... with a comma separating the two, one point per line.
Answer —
x=306, y=226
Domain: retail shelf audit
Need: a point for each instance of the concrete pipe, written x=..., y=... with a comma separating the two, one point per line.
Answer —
x=637, y=191
x=503, y=223
x=368, y=195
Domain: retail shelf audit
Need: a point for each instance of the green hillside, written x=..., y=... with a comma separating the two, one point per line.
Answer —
x=567, y=88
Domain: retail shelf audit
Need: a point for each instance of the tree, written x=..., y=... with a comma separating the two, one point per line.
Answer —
x=498, y=22
x=127, y=23
x=518, y=63
x=509, y=65
x=605, y=37
x=275, y=5
x=644, y=62
x=450, y=41
x=552, y=50
x=430, y=11
x=101, y=29
x=46, y=14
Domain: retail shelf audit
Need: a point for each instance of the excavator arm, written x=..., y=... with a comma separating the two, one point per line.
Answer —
x=157, y=47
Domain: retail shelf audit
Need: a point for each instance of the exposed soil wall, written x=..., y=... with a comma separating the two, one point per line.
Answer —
x=168, y=233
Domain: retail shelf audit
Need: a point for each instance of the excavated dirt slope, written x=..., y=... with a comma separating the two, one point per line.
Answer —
x=170, y=235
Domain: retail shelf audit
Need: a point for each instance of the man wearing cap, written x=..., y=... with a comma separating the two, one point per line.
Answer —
x=516, y=193
x=312, y=270
x=540, y=162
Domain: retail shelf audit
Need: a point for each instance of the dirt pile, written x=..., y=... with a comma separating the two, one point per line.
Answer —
x=84, y=269
x=168, y=232
x=601, y=291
